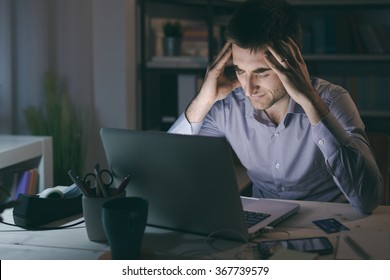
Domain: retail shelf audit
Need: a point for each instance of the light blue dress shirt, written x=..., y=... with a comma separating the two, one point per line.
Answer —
x=330, y=161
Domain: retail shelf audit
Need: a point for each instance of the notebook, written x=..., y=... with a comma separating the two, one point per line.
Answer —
x=189, y=182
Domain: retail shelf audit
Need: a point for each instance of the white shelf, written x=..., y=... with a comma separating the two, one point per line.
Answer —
x=16, y=149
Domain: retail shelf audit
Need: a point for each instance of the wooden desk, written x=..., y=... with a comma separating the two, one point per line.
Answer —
x=73, y=243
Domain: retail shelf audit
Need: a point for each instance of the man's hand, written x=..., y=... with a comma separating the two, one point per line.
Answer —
x=287, y=62
x=216, y=81
x=216, y=86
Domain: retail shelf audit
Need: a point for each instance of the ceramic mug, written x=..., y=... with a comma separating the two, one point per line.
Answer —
x=124, y=221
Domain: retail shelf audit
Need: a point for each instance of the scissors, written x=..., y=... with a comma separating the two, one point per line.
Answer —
x=102, y=179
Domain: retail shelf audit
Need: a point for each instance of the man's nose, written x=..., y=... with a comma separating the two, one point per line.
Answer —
x=249, y=85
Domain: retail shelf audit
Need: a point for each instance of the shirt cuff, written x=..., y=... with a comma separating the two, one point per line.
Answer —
x=329, y=135
x=183, y=126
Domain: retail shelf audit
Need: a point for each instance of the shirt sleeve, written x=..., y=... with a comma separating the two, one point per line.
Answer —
x=340, y=137
x=183, y=126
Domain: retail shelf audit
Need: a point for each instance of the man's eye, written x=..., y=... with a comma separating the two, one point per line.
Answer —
x=239, y=72
x=261, y=75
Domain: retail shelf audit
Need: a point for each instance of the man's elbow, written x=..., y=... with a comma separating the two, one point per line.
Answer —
x=369, y=202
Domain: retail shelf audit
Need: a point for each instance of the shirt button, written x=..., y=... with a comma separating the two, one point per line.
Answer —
x=277, y=134
x=283, y=189
x=277, y=165
x=321, y=142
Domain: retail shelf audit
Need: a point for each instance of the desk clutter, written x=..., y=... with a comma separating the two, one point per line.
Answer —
x=106, y=208
x=98, y=183
x=33, y=211
x=364, y=244
x=370, y=232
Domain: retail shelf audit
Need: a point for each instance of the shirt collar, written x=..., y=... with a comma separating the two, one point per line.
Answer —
x=294, y=107
x=261, y=116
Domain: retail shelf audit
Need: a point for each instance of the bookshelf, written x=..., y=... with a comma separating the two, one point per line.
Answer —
x=346, y=42
x=19, y=153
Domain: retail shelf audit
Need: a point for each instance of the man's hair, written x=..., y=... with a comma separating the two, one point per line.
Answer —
x=256, y=23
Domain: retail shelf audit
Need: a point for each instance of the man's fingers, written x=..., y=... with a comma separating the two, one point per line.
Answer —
x=294, y=49
x=281, y=59
x=222, y=57
x=277, y=62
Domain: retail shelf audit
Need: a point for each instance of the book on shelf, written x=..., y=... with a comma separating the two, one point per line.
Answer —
x=195, y=40
x=325, y=34
x=26, y=182
x=195, y=32
x=382, y=32
x=32, y=186
x=357, y=44
x=370, y=40
x=194, y=37
x=336, y=34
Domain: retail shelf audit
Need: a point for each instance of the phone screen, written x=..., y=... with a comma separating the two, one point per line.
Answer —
x=320, y=245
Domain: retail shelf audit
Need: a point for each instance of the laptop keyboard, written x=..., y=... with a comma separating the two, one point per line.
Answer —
x=252, y=218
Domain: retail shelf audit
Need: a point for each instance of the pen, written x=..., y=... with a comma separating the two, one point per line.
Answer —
x=101, y=188
x=357, y=248
x=79, y=183
x=123, y=184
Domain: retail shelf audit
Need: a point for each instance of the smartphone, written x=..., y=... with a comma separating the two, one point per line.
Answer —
x=320, y=245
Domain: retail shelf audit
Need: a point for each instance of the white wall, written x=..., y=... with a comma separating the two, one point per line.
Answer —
x=5, y=67
x=114, y=64
x=23, y=58
x=30, y=56
x=91, y=44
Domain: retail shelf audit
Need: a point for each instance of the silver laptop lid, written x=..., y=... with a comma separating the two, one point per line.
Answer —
x=189, y=181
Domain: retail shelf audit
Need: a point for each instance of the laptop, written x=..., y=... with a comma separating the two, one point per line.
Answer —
x=189, y=182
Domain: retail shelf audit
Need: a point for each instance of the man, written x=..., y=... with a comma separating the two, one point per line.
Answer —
x=299, y=137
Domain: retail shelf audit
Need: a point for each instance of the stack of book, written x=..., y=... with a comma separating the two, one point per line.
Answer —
x=195, y=40
x=336, y=34
x=25, y=182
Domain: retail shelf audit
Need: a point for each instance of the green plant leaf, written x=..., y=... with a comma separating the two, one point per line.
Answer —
x=59, y=120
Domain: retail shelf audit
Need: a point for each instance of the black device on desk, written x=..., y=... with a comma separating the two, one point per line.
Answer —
x=320, y=245
x=33, y=211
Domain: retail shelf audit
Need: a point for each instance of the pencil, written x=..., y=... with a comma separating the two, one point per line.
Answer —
x=123, y=184
x=79, y=183
x=357, y=248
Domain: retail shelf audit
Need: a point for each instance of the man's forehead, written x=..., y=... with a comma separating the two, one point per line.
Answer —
x=235, y=47
x=242, y=57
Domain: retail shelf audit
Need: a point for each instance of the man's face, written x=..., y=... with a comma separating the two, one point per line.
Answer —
x=261, y=85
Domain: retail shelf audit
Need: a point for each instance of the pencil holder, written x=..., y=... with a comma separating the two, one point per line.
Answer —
x=92, y=210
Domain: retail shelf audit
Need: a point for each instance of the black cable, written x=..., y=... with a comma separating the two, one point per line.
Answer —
x=43, y=228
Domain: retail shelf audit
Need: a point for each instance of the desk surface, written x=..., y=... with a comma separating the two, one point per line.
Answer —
x=73, y=243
